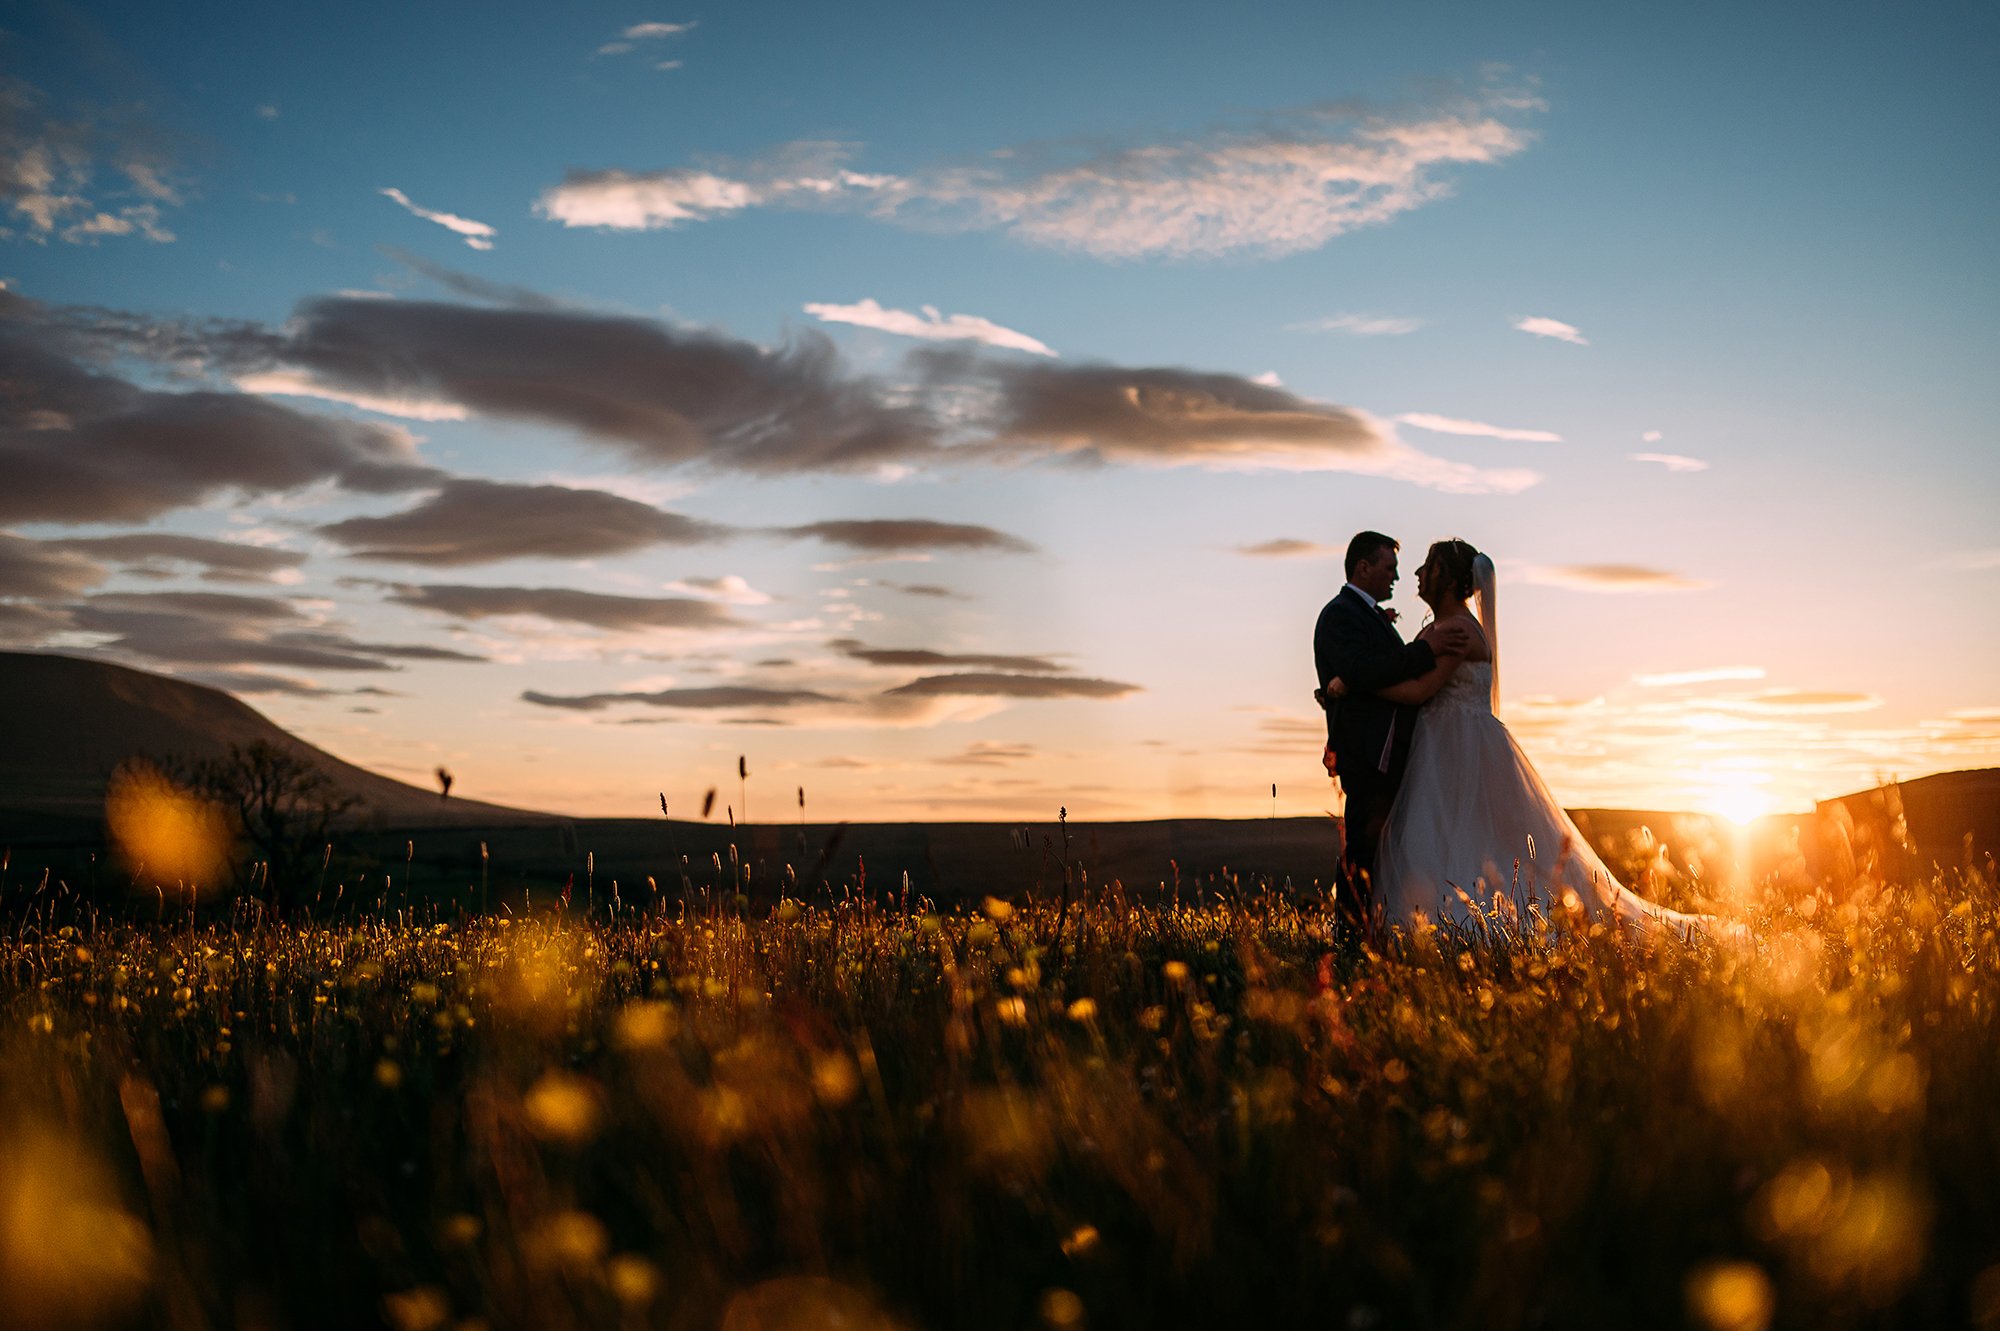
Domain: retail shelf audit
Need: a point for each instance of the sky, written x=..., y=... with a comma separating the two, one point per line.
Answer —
x=960, y=412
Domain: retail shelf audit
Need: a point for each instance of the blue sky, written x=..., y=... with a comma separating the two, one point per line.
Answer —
x=1750, y=245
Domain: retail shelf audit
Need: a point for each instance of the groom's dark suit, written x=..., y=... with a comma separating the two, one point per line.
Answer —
x=1368, y=736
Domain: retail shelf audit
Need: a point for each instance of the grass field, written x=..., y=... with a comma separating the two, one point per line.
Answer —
x=1144, y=1114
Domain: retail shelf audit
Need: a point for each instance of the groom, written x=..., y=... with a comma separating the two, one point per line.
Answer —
x=1368, y=738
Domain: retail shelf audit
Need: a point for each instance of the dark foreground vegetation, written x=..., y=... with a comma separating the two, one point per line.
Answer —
x=1135, y=1115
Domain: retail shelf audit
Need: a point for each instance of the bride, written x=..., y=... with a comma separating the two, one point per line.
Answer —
x=1473, y=829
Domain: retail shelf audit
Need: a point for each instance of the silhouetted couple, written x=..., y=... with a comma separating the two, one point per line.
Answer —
x=1445, y=817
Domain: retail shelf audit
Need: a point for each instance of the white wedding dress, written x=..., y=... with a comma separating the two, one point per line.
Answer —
x=1473, y=830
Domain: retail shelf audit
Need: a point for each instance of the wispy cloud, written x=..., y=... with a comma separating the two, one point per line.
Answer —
x=928, y=590
x=929, y=325
x=1359, y=325
x=886, y=536
x=294, y=383
x=476, y=234
x=670, y=395
x=52, y=172
x=483, y=522
x=219, y=629
x=730, y=588
x=78, y=444
x=639, y=35
x=30, y=568
x=566, y=605
x=1287, y=547
x=920, y=658
x=1294, y=182
x=713, y=698
x=982, y=684
x=1555, y=328
x=1613, y=578
x=220, y=561
x=1424, y=420
x=1671, y=461
x=1170, y=417
x=989, y=753
x=1801, y=702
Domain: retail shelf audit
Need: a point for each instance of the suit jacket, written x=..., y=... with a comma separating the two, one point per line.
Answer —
x=1355, y=643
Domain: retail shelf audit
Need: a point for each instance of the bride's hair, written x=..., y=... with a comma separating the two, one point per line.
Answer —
x=1454, y=559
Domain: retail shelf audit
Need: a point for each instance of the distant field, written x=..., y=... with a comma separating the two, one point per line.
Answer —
x=1137, y=1115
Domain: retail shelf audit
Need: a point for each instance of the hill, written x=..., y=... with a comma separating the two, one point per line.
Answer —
x=69, y=722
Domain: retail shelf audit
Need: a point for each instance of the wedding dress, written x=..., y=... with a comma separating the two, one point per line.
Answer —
x=1474, y=830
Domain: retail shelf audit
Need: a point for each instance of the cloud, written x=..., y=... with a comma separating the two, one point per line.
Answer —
x=1650, y=437
x=81, y=445
x=257, y=681
x=929, y=325
x=25, y=624
x=1555, y=328
x=476, y=234
x=1287, y=547
x=1452, y=425
x=1671, y=461
x=219, y=629
x=640, y=32
x=1715, y=674
x=729, y=588
x=905, y=535
x=1292, y=182
x=1613, y=578
x=221, y=561
x=1359, y=325
x=36, y=570
x=926, y=589
x=1178, y=417
x=994, y=685
x=484, y=522
x=660, y=394
x=1800, y=702
x=52, y=171
x=699, y=699
x=989, y=753
x=293, y=383
x=665, y=395
x=920, y=657
x=566, y=605
x=470, y=286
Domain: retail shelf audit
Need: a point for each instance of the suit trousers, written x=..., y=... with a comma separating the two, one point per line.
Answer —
x=1369, y=796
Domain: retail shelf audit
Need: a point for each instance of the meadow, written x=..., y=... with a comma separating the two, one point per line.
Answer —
x=1122, y=1112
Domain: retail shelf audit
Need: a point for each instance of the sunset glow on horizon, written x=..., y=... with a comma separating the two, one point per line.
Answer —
x=957, y=422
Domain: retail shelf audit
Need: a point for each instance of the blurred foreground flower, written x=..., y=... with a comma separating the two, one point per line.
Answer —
x=805, y=1303
x=168, y=836
x=70, y=1254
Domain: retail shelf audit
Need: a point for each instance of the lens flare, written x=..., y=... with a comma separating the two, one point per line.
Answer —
x=168, y=836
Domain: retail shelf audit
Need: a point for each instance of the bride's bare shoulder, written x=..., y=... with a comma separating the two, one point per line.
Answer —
x=1482, y=650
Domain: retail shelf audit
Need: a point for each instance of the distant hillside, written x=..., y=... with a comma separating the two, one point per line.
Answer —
x=67, y=722
x=1940, y=813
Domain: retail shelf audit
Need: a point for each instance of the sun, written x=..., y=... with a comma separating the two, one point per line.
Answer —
x=1741, y=804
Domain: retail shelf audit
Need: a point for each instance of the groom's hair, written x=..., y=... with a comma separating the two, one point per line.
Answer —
x=1366, y=545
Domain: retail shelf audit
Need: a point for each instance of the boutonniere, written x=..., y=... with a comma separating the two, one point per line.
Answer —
x=1388, y=612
